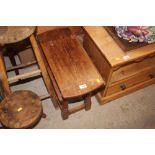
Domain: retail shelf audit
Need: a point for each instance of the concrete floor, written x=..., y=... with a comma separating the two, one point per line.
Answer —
x=136, y=110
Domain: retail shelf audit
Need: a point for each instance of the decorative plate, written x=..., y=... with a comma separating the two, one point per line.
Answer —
x=136, y=33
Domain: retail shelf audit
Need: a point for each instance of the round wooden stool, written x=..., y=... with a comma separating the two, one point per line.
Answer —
x=14, y=34
x=21, y=109
x=14, y=39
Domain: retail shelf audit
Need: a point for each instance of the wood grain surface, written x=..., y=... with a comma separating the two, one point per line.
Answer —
x=21, y=109
x=72, y=68
x=110, y=49
x=13, y=34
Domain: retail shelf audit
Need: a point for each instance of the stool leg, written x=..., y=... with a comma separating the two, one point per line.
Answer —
x=1, y=127
x=13, y=61
x=87, y=103
x=3, y=75
x=43, y=115
x=64, y=110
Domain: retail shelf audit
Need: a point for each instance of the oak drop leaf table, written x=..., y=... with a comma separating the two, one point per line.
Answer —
x=72, y=72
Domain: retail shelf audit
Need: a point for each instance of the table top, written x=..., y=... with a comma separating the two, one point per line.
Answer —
x=74, y=72
x=13, y=34
x=111, y=50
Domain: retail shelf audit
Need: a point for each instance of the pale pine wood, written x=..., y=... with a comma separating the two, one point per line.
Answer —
x=131, y=81
x=133, y=68
x=123, y=76
x=102, y=100
x=111, y=50
x=97, y=57
x=99, y=60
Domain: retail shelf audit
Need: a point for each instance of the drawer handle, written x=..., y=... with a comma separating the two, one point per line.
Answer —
x=123, y=87
x=151, y=76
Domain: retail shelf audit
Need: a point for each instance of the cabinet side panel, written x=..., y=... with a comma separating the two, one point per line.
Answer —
x=98, y=59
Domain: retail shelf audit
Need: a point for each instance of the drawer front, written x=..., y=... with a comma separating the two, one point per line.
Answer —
x=132, y=69
x=132, y=81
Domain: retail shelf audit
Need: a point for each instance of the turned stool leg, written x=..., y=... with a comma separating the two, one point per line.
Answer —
x=87, y=102
x=64, y=110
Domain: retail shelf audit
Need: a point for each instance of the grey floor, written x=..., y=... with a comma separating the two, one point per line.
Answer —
x=136, y=110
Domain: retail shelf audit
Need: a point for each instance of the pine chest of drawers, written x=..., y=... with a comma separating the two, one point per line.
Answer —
x=124, y=72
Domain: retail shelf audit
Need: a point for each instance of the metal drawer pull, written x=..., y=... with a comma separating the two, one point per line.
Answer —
x=151, y=76
x=123, y=87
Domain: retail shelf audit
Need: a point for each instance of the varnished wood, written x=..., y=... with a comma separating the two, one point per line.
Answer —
x=87, y=102
x=21, y=109
x=64, y=110
x=43, y=69
x=77, y=108
x=72, y=73
x=69, y=63
x=54, y=84
x=75, y=29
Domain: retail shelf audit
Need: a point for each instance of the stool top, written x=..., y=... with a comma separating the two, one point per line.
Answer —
x=21, y=109
x=13, y=34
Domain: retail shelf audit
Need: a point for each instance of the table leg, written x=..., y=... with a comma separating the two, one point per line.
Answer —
x=64, y=110
x=87, y=102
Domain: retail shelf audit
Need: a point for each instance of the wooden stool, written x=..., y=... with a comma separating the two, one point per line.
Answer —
x=21, y=109
x=73, y=75
x=12, y=37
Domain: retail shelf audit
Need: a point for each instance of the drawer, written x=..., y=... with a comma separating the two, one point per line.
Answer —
x=132, y=81
x=133, y=68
